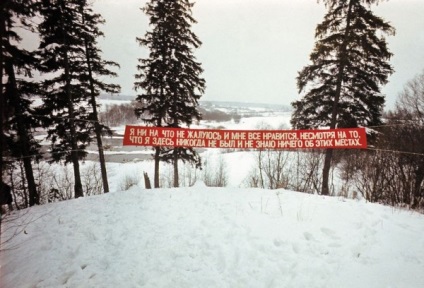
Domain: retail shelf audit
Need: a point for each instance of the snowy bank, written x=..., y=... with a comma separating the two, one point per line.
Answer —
x=213, y=237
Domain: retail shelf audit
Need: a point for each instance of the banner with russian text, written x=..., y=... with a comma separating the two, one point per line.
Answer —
x=245, y=139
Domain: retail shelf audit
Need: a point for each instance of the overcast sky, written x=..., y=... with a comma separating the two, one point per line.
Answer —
x=253, y=49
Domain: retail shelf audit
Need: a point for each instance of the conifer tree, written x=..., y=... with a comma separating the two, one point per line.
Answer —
x=349, y=64
x=95, y=68
x=61, y=54
x=170, y=77
x=17, y=90
x=71, y=60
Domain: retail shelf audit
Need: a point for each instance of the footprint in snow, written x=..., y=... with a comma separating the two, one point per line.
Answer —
x=330, y=233
x=296, y=248
x=278, y=242
x=308, y=236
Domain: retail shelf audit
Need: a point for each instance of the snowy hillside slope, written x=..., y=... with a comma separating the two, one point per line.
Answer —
x=213, y=237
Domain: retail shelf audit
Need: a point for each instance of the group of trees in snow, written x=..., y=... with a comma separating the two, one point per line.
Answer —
x=341, y=85
x=69, y=62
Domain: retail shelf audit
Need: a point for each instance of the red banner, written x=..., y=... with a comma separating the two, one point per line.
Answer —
x=245, y=139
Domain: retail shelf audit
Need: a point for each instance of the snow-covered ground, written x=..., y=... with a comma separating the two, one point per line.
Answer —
x=213, y=237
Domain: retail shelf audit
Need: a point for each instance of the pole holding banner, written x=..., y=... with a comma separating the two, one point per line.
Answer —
x=348, y=138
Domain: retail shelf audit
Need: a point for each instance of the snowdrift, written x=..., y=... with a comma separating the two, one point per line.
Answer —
x=212, y=237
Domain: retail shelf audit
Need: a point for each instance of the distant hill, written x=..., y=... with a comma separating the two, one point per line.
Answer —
x=216, y=104
x=246, y=105
x=117, y=97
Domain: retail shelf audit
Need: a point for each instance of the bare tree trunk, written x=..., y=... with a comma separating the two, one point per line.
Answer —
x=2, y=96
x=102, y=159
x=97, y=128
x=261, y=176
x=342, y=63
x=157, y=160
x=23, y=136
x=147, y=181
x=419, y=177
x=326, y=171
x=176, y=176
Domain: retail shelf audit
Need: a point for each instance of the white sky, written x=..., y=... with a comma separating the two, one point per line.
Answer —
x=253, y=49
